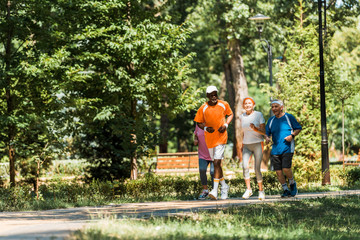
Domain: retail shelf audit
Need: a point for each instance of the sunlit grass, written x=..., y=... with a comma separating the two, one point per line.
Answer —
x=326, y=218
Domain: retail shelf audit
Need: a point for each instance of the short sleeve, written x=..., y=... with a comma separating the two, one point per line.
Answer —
x=295, y=124
x=261, y=118
x=228, y=110
x=199, y=117
x=267, y=129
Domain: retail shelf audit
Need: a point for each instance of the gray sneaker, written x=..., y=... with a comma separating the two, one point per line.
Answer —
x=203, y=194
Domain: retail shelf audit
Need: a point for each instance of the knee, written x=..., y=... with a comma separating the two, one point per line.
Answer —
x=245, y=165
x=217, y=163
x=202, y=168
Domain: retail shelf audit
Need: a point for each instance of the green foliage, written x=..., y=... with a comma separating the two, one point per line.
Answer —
x=129, y=69
x=352, y=176
x=28, y=81
x=344, y=85
x=299, y=89
x=188, y=186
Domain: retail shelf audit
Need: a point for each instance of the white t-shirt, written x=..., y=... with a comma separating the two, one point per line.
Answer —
x=250, y=136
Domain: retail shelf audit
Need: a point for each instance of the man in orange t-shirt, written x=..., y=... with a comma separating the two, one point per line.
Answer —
x=211, y=117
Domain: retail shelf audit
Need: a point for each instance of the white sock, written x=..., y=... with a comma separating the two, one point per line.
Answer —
x=222, y=181
x=291, y=181
x=216, y=183
x=284, y=186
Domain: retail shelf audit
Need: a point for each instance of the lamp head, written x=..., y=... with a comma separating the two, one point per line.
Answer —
x=259, y=20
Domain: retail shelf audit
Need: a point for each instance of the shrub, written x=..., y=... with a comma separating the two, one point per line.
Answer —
x=353, y=177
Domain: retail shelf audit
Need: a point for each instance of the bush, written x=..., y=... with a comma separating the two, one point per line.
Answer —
x=353, y=177
x=186, y=187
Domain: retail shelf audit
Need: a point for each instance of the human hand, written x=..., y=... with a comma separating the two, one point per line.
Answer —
x=289, y=138
x=267, y=139
x=210, y=129
x=222, y=129
x=196, y=142
x=252, y=126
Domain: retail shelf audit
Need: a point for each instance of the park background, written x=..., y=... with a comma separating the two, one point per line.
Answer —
x=94, y=90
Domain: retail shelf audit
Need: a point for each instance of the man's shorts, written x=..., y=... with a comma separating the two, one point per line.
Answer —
x=279, y=162
x=217, y=152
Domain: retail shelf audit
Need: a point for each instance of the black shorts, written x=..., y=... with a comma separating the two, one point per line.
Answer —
x=284, y=160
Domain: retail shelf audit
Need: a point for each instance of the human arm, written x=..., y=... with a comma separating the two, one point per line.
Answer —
x=295, y=125
x=225, y=126
x=292, y=136
x=267, y=133
x=207, y=129
x=260, y=129
x=267, y=139
x=196, y=140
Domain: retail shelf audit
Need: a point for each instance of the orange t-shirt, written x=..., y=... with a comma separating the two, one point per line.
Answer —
x=214, y=116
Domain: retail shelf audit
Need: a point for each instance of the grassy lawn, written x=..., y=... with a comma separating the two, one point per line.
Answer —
x=323, y=218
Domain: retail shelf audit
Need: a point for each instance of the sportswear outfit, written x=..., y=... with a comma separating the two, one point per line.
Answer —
x=282, y=151
x=214, y=116
x=279, y=129
x=252, y=143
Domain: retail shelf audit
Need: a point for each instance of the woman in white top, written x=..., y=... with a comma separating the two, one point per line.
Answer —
x=253, y=126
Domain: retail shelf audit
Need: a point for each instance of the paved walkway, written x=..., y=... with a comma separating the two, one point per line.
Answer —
x=59, y=223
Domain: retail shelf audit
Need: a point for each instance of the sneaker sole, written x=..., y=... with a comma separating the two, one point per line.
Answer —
x=247, y=197
x=212, y=197
x=294, y=195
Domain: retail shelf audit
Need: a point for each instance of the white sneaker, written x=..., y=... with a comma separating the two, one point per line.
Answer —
x=213, y=194
x=247, y=194
x=224, y=192
x=261, y=195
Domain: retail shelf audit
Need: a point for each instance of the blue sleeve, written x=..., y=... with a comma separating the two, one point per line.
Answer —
x=267, y=128
x=295, y=124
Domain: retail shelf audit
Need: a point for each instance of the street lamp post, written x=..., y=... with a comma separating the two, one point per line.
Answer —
x=325, y=165
x=259, y=20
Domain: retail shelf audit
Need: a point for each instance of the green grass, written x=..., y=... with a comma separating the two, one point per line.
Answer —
x=323, y=218
x=60, y=193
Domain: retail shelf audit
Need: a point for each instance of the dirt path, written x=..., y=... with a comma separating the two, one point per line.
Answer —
x=59, y=223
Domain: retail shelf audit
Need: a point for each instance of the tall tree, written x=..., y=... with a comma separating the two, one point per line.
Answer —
x=132, y=66
x=299, y=88
x=345, y=82
x=28, y=96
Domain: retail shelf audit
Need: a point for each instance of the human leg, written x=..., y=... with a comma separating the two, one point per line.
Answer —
x=212, y=172
x=258, y=154
x=202, y=170
x=276, y=161
x=245, y=164
x=218, y=173
x=246, y=173
x=287, y=162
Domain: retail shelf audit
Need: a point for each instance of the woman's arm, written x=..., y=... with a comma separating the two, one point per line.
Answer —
x=260, y=129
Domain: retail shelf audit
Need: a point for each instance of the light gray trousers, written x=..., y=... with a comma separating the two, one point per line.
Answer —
x=248, y=150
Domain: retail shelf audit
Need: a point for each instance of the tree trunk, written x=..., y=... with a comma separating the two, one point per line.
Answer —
x=239, y=84
x=343, y=129
x=164, y=132
x=37, y=180
x=231, y=93
x=9, y=98
x=134, y=166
